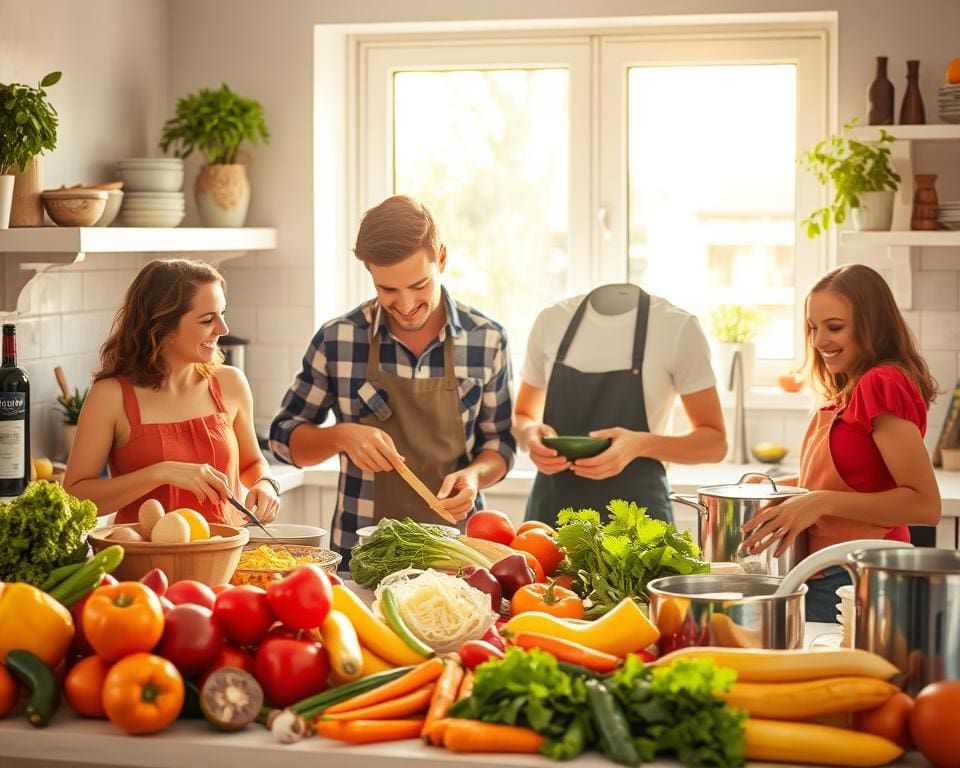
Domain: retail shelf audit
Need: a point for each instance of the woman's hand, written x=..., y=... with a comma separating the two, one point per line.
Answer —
x=458, y=491
x=370, y=448
x=625, y=446
x=263, y=502
x=782, y=522
x=547, y=460
x=205, y=482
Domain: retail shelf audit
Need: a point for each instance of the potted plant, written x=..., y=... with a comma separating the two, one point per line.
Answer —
x=28, y=126
x=863, y=180
x=735, y=326
x=70, y=405
x=216, y=123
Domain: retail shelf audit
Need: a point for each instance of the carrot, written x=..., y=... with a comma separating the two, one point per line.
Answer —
x=408, y=704
x=567, y=650
x=477, y=736
x=466, y=687
x=369, y=731
x=444, y=693
x=416, y=678
x=433, y=734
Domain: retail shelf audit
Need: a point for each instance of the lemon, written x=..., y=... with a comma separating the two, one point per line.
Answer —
x=769, y=452
x=43, y=468
x=199, y=529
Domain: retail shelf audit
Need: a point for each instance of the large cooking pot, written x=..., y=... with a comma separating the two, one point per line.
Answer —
x=722, y=509
x=908, y=607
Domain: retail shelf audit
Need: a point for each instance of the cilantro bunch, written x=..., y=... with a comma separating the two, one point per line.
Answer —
x=40, y=530
x=613, y=561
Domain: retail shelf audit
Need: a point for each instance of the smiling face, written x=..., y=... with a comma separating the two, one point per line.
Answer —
x=409, y=290
x=832, y=334
x=196, y=335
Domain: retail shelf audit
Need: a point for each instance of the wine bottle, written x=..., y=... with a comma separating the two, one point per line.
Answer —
x=14, y=419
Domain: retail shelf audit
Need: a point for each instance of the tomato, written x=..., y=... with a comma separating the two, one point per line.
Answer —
x=475, y=652
x=84, y=686
x=290, y=670
x=229, y=656
x=891, y=720
x=490, y=525
x=565, y=580
x=244, y=613
x=189, y=591
x=335, y=580
x=541, y=545
x=121, y=619
x=933, y=723
x=9, y=691
x=534, y=565
x=192, y=638
x=303, y=598
x=143, y=693
x=547, y=598
x=157, y=580
x=80, y=646
x=494, y=637
x=219, y=589
x=535, y=525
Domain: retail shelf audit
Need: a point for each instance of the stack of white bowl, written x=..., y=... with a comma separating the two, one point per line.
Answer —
x=153, y=191
x=847, y=614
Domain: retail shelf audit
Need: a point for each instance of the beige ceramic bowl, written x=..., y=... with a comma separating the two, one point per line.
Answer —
x=75, y=207
x=114, y=199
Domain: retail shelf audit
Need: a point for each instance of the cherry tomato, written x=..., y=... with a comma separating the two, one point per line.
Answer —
x=244, y=614
x=541, y=545
x=189, y=591
x=475, y=652
x=933, y=723
x=890, y=720
x=83, y=686
x=490, y=525
x=290, y=670
x=192, y=638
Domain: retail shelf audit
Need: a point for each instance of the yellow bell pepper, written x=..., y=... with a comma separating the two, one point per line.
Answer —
x=33, y=621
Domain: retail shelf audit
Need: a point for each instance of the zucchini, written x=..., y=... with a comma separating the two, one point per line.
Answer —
x=30, y=669
x=391, y=612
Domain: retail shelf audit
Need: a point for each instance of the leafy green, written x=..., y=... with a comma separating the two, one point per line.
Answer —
x=617, y=560
x=40, y=530
x=530, y=689
x=674, y=712
x=28, y=123
x=403, y=544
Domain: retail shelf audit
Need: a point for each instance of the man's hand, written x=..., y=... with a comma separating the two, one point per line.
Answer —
x=458, y=491
x=625, y=446
x=547, y=460
x=369, y=448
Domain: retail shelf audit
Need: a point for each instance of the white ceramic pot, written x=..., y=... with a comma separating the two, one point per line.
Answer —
x=223, y=194
x=6, y=199
x=723, y=361
x=875, y=212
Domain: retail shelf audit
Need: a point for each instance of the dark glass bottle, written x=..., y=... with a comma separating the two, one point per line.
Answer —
x=14, y=419
x=880, y=96
x=911, y=111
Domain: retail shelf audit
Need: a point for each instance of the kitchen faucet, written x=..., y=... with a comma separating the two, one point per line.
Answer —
x=739, y=455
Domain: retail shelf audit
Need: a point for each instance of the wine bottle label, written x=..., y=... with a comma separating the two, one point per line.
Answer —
x=13, y=434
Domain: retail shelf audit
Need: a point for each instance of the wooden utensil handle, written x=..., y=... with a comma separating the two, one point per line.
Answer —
x=424, y=493
x=62, y=381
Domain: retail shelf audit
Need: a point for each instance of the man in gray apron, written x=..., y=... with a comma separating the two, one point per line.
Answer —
x=611, y=401
x=411, y=377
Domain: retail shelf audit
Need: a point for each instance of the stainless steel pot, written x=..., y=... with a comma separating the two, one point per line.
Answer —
x=722, y=509
x=728, y=611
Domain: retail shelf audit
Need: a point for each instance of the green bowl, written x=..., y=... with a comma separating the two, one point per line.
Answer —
x=575, y=447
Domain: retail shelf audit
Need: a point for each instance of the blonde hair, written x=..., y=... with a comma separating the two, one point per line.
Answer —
x=158, y=297
x=394, y=230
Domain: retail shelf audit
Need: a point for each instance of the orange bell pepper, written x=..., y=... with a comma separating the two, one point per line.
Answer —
x=31, y=620
x=120, y=619
x=142, y=693
x=547, y=598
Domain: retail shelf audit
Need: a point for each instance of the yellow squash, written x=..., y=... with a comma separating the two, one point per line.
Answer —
x=781, y=741
x=622, y=630
x=372, y=632
x=809, y=698
x=343, y=647
x=31, y=620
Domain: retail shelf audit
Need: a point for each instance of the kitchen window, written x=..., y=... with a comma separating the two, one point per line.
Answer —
x=555, y=164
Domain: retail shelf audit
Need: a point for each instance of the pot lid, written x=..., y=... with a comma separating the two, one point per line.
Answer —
x=766, y=489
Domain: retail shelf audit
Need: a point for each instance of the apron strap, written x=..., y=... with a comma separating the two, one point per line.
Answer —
x=449, y=379
x=572, y=330
x=373, y=357
x=640, y=333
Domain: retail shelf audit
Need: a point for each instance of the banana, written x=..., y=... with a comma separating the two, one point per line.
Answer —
x=786, y=742
x=809, y=698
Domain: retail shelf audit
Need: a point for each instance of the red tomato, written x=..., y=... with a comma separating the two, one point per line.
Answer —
x=475, y=652
x=290, y=670
x=165, y=605
x=244, y=614
x=534, y=524
x=157, y=580
x=335, y=580
x=219, y=589
x=303, y=598
x=188, y=591
x=891, y=720
x=541, y=545
x=490, y=525
x=80, y=646
x=192, y=638
x=933, y=723
x=229, y=656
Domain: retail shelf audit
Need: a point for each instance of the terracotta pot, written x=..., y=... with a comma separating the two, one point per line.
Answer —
x=27, y=208
x=223, y=194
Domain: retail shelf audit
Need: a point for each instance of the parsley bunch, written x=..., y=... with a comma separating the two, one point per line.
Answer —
x=613, y=561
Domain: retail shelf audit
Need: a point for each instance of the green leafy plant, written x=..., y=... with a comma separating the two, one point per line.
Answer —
x=735, y=323
x=28, y=123
x=70, y=406
x=852, y=167
x=215, y=123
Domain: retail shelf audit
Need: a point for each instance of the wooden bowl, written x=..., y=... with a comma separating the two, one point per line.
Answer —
x=212, y=561
x=75, y=207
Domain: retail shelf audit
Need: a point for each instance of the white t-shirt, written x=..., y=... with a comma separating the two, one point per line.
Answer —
x=676, y=359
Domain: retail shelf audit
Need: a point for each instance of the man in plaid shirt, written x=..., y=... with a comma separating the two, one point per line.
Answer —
x=410, y=376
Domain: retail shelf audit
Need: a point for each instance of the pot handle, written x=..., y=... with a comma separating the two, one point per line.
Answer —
x=689, y=500
x=764, y=475
x=835, y=554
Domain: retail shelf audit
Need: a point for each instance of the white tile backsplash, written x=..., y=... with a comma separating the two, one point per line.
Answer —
x=939, y=330
x=936, y=289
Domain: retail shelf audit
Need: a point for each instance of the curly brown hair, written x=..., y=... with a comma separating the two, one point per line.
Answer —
x=158, y=297
x=879, y=329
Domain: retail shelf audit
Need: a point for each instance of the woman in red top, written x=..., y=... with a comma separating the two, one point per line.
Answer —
x=173, y=422
x=863, y=457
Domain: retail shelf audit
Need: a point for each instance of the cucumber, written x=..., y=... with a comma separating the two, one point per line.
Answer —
x=391, y=612
x=88, y=576
x=30, y=670
x=611, y=723
x=59, y=574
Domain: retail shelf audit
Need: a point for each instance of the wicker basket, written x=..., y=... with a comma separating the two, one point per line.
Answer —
x=212, y=561
x=327, y=559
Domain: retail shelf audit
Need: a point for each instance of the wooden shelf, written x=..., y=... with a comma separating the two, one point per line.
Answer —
x=28, y=251
x=938, y=132
x=902, y=238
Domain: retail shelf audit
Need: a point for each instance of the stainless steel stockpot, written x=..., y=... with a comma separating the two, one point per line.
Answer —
x=728, y=611
x=722, y=509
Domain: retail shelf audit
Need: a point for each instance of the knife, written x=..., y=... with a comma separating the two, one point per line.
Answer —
x=250, y=516
x=423, y=492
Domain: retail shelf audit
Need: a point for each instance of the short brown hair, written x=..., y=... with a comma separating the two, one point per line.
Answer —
x=879, y=329
x=158, y=297
x=394, y=230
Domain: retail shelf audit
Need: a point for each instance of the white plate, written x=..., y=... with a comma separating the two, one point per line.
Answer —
x=289, y=533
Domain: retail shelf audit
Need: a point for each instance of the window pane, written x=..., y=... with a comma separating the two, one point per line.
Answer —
x=487, y=151
x=711, y=186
